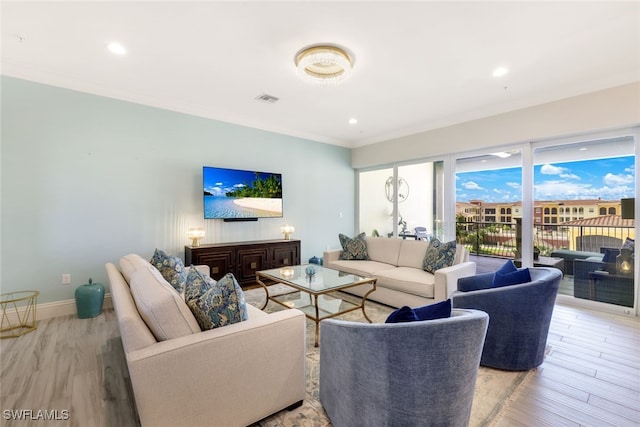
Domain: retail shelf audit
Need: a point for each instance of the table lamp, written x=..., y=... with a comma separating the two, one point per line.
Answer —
x=195, y=234
x=287, y=230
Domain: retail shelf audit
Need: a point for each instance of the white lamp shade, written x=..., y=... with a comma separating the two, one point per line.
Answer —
x=195, y=234
x=287, y=230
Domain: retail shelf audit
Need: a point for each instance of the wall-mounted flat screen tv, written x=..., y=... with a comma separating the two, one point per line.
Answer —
x=234, y=194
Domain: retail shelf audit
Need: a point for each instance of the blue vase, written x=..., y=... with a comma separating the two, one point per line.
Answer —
x=89, y=299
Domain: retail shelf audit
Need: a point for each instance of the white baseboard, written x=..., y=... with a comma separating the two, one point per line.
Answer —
x=598, y=306
x=53, y=309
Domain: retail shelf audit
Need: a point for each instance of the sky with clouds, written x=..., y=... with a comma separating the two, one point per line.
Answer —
x=608, y=179
x=219, y=181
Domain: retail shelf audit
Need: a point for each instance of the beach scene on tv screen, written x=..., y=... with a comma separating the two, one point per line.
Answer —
x=231, y=193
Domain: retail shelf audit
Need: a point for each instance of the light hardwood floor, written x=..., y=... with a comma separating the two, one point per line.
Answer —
x=67, y=364
x=590, y=378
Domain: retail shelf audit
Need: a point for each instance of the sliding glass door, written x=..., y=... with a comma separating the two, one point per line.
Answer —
x=375, y=202
x=489, y=203
x=401, y=201
x=580, y=192
x=566, y=203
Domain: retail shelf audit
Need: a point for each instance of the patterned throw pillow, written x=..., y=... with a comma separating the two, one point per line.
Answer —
x=198, y=284
x=353, y=248
x=171, y=268
x=215, y=304
x=439, y=255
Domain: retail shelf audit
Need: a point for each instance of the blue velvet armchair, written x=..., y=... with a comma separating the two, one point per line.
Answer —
x=519, y=316
x=401, y=374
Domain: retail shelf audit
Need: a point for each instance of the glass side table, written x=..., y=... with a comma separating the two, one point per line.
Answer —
x=18, y=313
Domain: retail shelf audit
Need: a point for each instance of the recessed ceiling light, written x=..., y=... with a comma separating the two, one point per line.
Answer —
x=116, y=48
x=583, y=149
x=500, y=71
x=353, y=121
x=501, y=154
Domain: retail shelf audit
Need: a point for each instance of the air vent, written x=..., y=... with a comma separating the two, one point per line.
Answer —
x=265, y=97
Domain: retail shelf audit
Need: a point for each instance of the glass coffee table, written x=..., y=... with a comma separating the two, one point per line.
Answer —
x=315, y=301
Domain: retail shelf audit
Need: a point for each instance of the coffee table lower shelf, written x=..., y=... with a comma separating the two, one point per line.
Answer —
x=317, y=305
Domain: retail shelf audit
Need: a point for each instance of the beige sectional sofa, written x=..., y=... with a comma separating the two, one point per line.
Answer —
x=229, y=376
x=397, y=264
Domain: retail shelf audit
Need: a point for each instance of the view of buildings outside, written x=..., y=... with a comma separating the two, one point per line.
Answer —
x=573, y=203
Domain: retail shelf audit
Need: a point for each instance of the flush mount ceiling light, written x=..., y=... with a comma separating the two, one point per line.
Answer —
x=325, y=65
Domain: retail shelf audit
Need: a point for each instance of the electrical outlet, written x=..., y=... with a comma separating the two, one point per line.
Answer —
x=66, y=279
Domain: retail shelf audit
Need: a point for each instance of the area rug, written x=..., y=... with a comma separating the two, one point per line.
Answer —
x=493, y=392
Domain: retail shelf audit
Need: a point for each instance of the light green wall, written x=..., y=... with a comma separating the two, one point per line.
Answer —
x=87, y=179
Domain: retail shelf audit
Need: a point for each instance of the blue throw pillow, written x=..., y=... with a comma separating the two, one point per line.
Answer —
x=508, y=267
x=513, y=278
x=438, y=310
x=403, y=314
x=610, y=255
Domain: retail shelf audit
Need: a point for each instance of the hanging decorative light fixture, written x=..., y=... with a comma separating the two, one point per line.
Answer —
x=326, y=65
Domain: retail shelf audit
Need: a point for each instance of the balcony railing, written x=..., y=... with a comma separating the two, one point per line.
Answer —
x=503, y=239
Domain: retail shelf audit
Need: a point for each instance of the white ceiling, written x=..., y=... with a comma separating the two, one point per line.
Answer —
x=418, y=65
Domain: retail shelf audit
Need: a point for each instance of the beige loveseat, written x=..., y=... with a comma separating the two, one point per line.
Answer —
x=397, y=264
x=229, y=376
